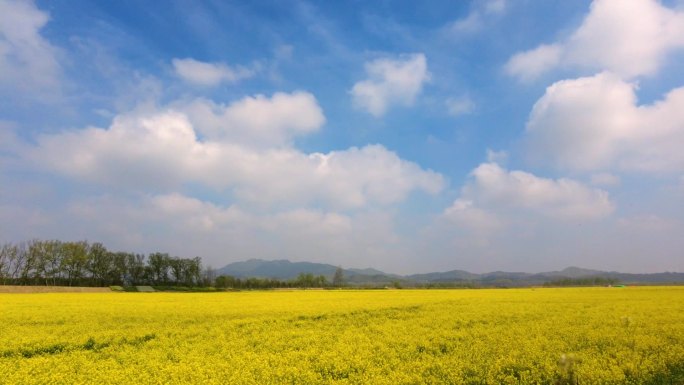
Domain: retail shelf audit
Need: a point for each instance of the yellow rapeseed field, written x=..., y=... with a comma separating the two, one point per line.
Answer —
x=631, y=335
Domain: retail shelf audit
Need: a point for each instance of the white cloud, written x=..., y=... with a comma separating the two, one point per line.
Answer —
x=136, y=150
x=189, y=212
x=477, y=18
x=372, y=173
x=464, y=213
x=630, y=38
x=560, y=198
x=27, y=61
x=595, y=123
x=310, y=223
x=494, y=193
x=500, y=213
x=460, y=106
x=258, y=120
x=209, y=74
x=210, y=218
x=391, y=82
x=469, y=24
x=160, y=151
x=529, y=65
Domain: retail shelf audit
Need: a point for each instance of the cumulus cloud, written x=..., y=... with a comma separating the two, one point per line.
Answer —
x=467, y=215
x=161, y=150
x=189, y=212
x=209, y=74
x=210, y=218
x=501, y=212
x=595, y=123
x=561, y=198
x=27, y=61
x=630, y=38
x=494, y=194
x=529, y=65
x=391, y=82
x=256, y=120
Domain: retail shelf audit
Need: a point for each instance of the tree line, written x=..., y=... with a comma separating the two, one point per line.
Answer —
x=58, y=263
x=584, y=281
x=304, y=280
x=80, y=263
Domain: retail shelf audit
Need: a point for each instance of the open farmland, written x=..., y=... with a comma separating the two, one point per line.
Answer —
x=536, y=336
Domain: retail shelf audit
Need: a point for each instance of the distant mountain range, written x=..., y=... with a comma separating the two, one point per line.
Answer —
x=286, y=270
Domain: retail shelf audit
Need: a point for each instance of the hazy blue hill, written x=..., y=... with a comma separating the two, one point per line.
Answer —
x=367, y=271
x=280, y=269
x=574, y=272
x=452, y=275
x=666, y=277
x=505, y=275
x=243, y=267
x=286, y=270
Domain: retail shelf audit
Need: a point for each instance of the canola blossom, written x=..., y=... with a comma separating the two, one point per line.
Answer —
x=631, y=335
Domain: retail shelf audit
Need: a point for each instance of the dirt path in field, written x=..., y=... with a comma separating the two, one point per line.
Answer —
x=52, y=289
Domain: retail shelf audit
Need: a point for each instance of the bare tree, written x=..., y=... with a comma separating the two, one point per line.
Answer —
x=8, y=253
x=338, y=278
x=74, y=261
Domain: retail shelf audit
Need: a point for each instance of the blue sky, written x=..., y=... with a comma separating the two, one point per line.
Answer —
x=484, y=135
